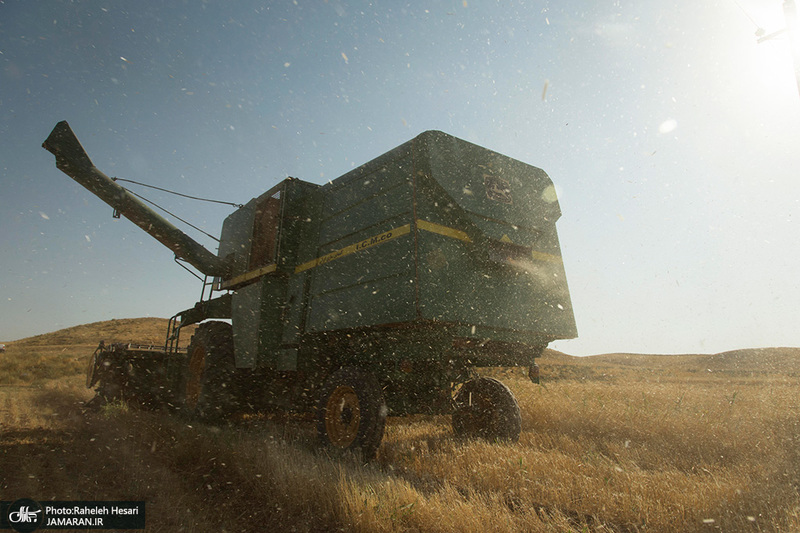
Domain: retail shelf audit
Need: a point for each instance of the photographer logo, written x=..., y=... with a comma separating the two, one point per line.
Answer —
x=25, y=515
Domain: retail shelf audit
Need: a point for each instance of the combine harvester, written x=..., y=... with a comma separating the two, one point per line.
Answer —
x=376, y=294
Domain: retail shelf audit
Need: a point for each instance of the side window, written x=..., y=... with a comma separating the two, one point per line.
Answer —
x=263, y=248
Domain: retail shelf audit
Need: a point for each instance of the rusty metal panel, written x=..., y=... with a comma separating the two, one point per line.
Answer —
x=237, y=232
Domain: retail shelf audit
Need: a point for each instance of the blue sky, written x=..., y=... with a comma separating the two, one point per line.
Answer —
x=670, y=133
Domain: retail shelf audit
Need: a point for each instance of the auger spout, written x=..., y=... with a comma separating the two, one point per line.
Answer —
x=73, y=161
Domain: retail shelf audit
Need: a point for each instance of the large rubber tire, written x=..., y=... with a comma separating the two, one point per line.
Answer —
x=210, y=391
x=486, y=408
x=351, y=413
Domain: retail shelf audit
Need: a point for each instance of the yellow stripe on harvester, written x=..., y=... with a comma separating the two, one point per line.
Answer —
x=541, y=256
x=370, y=242
x=443, y=230
x=247, y=276
x=361, y=245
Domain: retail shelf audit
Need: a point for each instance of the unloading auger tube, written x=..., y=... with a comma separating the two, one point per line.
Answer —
x=73, y=161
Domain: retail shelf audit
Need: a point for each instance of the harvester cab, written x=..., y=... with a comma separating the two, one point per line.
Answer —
x=263, y=240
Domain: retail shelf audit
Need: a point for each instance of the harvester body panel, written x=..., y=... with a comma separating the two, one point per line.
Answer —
x=441, y=231
x=488, y=252
x=364, y=270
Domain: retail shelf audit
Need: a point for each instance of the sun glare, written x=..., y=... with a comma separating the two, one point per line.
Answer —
x=774, y=66
x=775, y=52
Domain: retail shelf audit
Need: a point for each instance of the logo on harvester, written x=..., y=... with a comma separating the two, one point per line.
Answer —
x=25, y=515
x=497, y=189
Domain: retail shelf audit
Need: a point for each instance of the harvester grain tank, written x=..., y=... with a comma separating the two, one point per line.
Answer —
x=379, y=293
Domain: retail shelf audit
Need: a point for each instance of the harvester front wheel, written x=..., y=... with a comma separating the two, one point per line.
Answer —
x=351, y=413
x=485, y=407
x=210, y=392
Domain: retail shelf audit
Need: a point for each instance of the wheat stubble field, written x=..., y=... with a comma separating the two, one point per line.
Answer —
x=610, y=443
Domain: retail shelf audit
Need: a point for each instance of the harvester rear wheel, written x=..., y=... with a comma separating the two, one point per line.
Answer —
x=210, y=392
x=485, y=407
x=351, y=413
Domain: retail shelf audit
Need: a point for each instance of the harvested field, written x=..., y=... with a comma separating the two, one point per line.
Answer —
x=616, y=442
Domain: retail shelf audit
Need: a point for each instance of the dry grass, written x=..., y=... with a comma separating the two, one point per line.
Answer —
x=612, y=443
x=20, y=365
